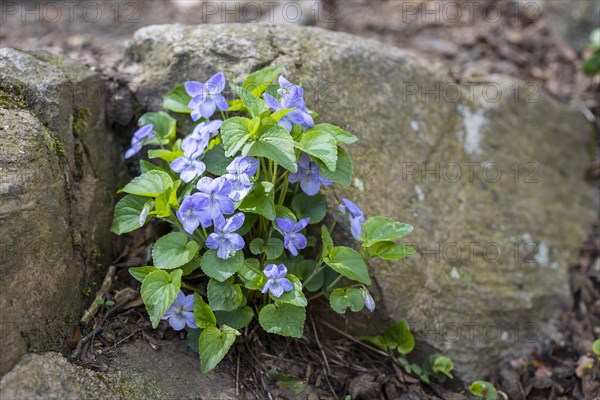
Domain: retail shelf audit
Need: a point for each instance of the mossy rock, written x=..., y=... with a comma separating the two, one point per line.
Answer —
x=138, y=372
x=58, y=179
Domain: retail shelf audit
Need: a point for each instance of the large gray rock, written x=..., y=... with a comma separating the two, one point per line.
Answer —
x=57, y=163
x=138, y=373
x=490, y=277
x=571, y=21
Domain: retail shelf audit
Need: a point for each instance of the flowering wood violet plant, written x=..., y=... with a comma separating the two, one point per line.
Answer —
x=241, y=192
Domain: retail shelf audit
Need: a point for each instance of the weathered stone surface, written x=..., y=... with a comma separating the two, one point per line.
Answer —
x=56, y=191
x=463, y=298
x=139, y=373
x=571, y=21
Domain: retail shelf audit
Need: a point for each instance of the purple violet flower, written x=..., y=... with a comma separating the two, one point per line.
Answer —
x=238, y=173
x=292, y=238
x=292, y=96
x=286, y=90
x=181, y=312
x=223, y=239
x=140, y=137
x=277, y=283
x=188, y=166
x=206, y=97
x=369, y=302
x=355, y=215
x=217, y=192
x=308, y=176
x=195, y=143
x=193, y=212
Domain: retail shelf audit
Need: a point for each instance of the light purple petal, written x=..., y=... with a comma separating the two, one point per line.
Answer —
x=214, y=211
x=304, y=161
x=295, y=242
x=194, y=88
x=276, y=289
x=272, y=102
x=216, y=83
x=308, y=120
x=270, y=271
x=289, y=245
x=195, y=169
x=143, y=132
x=213, y=241
x=295, y=177
x=179, y=164
x=189, y=319
x=221, y=102
x=204, y=184
x=369, y=302
x=224, y=203
x=223, y=250
x=294, y=98
x=351, y=207
x=188, y=303
x=195, y=114
x=325, y=181
x=295, y=117
x=285, y=224
x=355, y=228
x=221, y=186
x=234, y=223
x=219, y=222
x=281, y=271
x=168, y=314
x=132, y=151
x=239, y=188
x=285, y=124
x=202, y=135
x=286, y=284
x=310, y=184
x=236, y=241
x=207, y=108
x=179, y=299
x=190, y=223
x=267, y=286
x=301, y=224
x=213, y=126
x=243, y=165
x=284, y=83
x=196, y=101
x=191, y=148
x=177, y=321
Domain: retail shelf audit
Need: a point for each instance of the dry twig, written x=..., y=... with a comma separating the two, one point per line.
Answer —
x=104, y=288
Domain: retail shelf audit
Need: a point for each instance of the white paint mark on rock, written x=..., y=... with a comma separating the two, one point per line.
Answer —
x=454, y=273
x=359, y=184
x=414, y=125
x=473, y=122
x=420, y=194
x=543, y=255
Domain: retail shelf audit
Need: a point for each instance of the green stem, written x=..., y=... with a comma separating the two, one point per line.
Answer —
x=333, y=225
x=324, y=291
x=194, y=289
x=315, y=272
x=335, y=282
x=283, y=192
